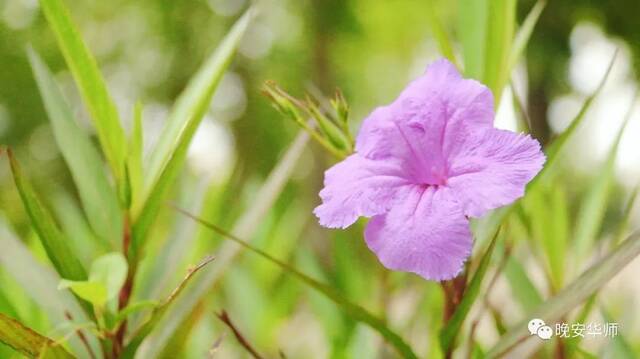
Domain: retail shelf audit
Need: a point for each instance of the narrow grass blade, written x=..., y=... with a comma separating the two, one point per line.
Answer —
x=522, y=288
x=559, y=142
x=571, y=296
x=472, y=31
x=168, y=155
x=73, y=222
x=548, y=217
x=28, y=342
x=53, y=240
x=619, y=346
x=245, y=227
x=452, y=327
x=500, y=29
x=440, y=34
x=626, y=216
x=134, y=159
x=98, y=198
x=591, y=212
x=524, y=33
x=354, y=310
x=92, y=86
x=40, y=284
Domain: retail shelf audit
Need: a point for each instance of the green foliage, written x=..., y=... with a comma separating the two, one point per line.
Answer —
x=105, y=210
x=85, y=70
x=98, y=197
x=106, y=277
x=167, y=157
x=28, y=342
x=354, y=310
x=572, y=295
x=53, y=240
x=452, y=327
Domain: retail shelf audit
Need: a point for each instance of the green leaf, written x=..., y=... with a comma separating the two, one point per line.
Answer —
x=439, y=33
x=354, y=310
x=548, y=217
x=452, y=327
x=559, y=142
x=98, y=198
x=159, y=310
x=108, y=274
x=523, y=35
x=500, y=29
x=39, y=282
x=170, y=151
x=92, y=86
x=591, y=211
x=111, y=271
x=522, y=287
x=571, y=296
x=245, y=226
x=28, y=342
x=626, y=216
x=472, y=31
x=53, y=240
x=134, y=160
x=619, y=346
x=134, y=308
x=93, y=292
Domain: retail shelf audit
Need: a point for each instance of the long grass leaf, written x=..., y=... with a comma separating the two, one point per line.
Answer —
x=439, y=33
x=619, y=346
x=40, y=284
x=626, y=216
x=500, y=29
x=571, y=296
x=134, y=159
x=160, y=309
x=27, y=341
x=354, y=310
x=591, y=212
x=452, y=327
x=92, y=86
x=53, y=240
x=245, y=227
x=472, y=31
x=99, y=200
x=169, y=153
x=524, y=33
x=522, y=288
x=559, y=142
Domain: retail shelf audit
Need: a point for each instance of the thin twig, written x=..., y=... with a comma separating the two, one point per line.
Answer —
x=127, y=288
x=190, y=272
x=224, y=317
x=81, y=335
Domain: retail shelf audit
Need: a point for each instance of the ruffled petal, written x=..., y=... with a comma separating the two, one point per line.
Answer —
x=431, y=116
x=491, y=169
x=427, y=234
x=358, y=186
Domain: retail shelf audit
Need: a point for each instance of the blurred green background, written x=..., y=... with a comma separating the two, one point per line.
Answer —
x=147, y=51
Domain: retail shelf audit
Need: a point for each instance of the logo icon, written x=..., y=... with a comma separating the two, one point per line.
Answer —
x=538, y=327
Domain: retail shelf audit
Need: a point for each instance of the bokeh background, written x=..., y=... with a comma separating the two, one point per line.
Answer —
x=148, y=49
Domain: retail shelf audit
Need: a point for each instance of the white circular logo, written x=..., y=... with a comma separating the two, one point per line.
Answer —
x=534, y=325
x=545, y=332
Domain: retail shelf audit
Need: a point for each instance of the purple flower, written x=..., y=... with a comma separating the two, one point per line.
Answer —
x=422, y=166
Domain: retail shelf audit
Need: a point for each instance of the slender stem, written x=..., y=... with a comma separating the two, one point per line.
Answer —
x=127, y=288
x=82, y=337
x=224, y=317
x=453, y=292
